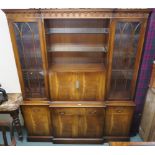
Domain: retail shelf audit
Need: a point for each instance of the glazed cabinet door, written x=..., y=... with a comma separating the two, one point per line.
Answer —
x=127, y=37
x=37, y=120
x=118, y=121
x=27, y=38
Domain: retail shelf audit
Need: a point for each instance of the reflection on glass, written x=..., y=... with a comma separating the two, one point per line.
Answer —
x=125, y=48
x=28, y=44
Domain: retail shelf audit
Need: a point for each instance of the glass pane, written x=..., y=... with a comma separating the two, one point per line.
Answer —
x=28, y=44
x=34, y=84
x=124, y=54
x=27, y=37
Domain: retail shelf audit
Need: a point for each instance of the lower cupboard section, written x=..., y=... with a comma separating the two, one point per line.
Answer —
x=37, y=120
x=118, y=122
x=77, y=124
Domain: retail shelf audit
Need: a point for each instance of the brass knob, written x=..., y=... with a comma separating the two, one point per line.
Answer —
x=61, y=113
x=119, y=111
x=93, y=112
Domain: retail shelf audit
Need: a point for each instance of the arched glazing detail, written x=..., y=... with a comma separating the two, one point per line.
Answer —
x=28, y=44
x=124, y=54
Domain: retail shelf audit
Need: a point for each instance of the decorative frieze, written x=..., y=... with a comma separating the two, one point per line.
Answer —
x=77, y=13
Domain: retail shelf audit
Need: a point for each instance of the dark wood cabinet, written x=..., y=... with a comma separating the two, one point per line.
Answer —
x=77, y=122
x=37, y=119
x=118, y=120
x=78, y=70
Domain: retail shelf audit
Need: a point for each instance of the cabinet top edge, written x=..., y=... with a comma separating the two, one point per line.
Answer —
x=39, y=10
x=77, y=13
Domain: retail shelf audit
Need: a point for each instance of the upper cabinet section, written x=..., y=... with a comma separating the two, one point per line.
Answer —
x=105, y=43
x=30, y=55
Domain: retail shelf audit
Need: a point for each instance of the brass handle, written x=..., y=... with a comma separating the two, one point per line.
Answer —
x=36, y=110
x=77, y=84
x=61, y=113
x=93, y=112
x=119, y=111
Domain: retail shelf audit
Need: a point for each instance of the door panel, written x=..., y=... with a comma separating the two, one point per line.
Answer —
x=28, y=51
x=78, y=122
x=62, y=86
x=93, y=126
x=86, y=86
x=37, y=120
x=118, y=121
x=125, y=58
x=93, y=86
x=65, y=122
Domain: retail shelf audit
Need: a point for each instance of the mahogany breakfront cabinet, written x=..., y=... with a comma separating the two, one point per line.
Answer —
x=78, y=70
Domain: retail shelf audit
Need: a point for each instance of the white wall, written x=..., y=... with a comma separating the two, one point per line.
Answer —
x=8, y=71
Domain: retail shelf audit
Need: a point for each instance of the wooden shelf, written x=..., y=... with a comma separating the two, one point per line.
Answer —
x=77, y=67
x=77, y=30
x=77, y=48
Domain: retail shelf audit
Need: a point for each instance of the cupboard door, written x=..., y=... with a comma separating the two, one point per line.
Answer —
x=92, y=123
x=78, y=122
x=86, y=86
x=65, y=122
x=93, y=86
x=63, y=86
x=118, y=121
x=28, y=47
x=37, y=120
x=125, y=57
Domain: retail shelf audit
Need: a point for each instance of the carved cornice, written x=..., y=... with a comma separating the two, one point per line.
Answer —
x=77, y=13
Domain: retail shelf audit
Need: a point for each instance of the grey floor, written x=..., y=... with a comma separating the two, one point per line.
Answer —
x=25, y=143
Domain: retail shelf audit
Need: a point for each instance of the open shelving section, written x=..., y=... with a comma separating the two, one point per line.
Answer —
x=77, y=41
